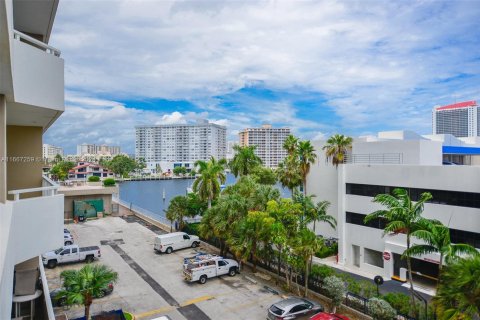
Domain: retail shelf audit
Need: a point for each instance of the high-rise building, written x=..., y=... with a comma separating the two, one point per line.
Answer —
x=459, y=119
x=49, y=151
x=171, y=145
x=94, y=149
x=31, y=99
x=269, y=142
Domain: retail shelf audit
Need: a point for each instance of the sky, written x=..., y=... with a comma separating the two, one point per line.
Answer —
x=318, y=67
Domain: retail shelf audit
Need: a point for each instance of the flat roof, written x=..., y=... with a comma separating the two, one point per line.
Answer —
x=465, y=104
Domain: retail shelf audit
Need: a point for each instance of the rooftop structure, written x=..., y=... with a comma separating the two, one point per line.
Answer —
x=460, y=119
x=94, y=149
x=31, y=99
x=269, y=142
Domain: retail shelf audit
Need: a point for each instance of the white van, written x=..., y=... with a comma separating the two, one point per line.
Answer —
x=174, y=241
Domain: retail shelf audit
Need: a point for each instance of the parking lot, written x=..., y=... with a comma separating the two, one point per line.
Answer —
x=151, y=284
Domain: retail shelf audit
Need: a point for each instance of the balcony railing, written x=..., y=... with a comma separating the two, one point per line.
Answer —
x=36, y=43
x=374, y=158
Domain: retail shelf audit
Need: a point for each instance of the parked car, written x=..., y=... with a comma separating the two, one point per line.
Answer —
x=62, y=301
x=71, y=253
x=202, y=267
x=293, y=308
x=175, y=241
x=67, y=239
x=329, y=316
x=65, y=230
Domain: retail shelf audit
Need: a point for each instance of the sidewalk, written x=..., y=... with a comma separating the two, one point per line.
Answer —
x=388, y=286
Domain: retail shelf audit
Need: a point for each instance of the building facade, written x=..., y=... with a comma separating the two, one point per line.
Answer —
x=378, y=165
x=167, y=146
x=31, y=99
x=49, y=151
x=459, y=119
x=94, y=149
x=269, y=142
x=85, y=170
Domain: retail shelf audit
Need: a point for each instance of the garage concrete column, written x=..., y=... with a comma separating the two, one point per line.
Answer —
x=3, y=149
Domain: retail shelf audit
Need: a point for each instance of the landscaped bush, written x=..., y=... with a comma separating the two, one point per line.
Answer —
x=399, y=301
x=336, y=290
x=325, y=252
x=191, y=228
x=367, y=289
x=321, y=271
x=381, y=310
x=109, y=182
x=93, y=179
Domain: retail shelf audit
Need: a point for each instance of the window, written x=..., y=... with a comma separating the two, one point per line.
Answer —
x=373, y=257
x=299, y=308
x=446, y=197
x=222, y=263
x=186, y=237
x=66, y=251
x=74, y=250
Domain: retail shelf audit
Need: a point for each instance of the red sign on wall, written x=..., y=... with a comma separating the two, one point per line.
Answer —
x=386, y=255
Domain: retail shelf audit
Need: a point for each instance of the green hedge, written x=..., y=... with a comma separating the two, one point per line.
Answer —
x=109, y=182
x=326, y=252
x=191, y=228
x=93, y=179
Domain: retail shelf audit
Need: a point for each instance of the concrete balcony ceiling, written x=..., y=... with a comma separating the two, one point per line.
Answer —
x=35, y=17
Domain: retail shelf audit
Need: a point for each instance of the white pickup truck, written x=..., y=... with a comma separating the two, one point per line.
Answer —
x=204, y=266
x=71, y=253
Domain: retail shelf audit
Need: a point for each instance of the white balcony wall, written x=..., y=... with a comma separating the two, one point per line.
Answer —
x=38, y=77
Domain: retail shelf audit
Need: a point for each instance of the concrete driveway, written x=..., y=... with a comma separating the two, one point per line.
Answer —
x=151, y=284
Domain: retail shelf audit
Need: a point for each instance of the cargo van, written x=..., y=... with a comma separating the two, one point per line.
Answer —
x=175, y=241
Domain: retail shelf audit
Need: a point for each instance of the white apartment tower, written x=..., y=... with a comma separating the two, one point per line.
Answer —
x=269, y=142
x=172, y=145
x=49, y=151
x=459, y=119
x=31, y=211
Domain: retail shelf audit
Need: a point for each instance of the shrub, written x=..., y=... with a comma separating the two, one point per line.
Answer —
x=321, y=271
x=381, y=310
x=336, y=290
x=93, y=179
x=399, y=301
x=367, y=289
x=191, y=228
x=109, y=182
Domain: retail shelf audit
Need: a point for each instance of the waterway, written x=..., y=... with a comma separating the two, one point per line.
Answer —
x=149, y=194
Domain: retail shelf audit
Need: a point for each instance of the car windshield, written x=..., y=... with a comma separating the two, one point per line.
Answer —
x=58, y=250
x=308, y=303
x=276, y=310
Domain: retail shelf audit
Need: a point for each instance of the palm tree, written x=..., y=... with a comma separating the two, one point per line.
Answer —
x=319, y=213
x=458, y=294
x=81, y=286
x=306, y=156
x=402, y=216
x=437, y=240
x=207, y=185
x=244, y=161
x=177, y=210
x=289, y=174
x=291, y=144
x=336, y=148
x=305, y=245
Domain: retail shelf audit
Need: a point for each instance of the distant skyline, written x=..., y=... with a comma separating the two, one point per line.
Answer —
x=320, y=68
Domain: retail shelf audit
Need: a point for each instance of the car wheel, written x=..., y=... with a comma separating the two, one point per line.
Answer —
x=232, y=272
x=89, y=259
x=68, y=243
x=194, y=244
x=101, y=294
x=203, y=279
x=52, y=264
x=169, y=250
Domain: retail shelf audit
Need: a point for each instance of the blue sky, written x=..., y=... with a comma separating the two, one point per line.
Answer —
x=320, y=67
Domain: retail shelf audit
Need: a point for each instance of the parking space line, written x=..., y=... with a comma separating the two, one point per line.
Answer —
x=153, y=312
x=252, y=303
x=199, y=299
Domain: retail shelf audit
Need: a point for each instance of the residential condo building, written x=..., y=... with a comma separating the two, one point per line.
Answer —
x=378, y=165
x=459, y=119
x=269, y=142
x=31, y=211
x=167, y=146
x=94, y=149
x=49, y=151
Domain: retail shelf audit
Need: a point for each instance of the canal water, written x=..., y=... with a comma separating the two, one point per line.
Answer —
x=149, y=194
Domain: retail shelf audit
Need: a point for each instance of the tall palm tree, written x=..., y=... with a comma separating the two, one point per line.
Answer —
x=212, y=174
x=437, y=240
x=289, y=174
x=81, y=286
x=306, y=155
x=291, y=144
x=305, y=245
x=244, y=161
x=336, y=148
x=402, y=216
x=319, y=213
x=458, y=294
